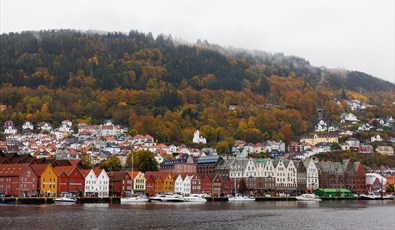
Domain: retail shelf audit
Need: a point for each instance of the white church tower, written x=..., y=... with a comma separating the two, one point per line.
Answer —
x=198, y=139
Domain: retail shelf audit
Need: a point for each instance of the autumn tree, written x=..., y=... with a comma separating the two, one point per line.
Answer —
x=143, y=160
x=112, y=163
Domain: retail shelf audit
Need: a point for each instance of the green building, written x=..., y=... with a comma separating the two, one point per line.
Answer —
x=332, y=192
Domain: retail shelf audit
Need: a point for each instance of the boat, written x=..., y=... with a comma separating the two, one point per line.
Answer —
x=308, y=197
x=195, y=198
x=388, y=197
x=134, y=199
x=172, y=198
x=65, y=199
x=241, y=198
x=167, y=198
x=370, y=196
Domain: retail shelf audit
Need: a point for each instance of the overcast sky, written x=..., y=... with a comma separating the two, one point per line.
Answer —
x=350, y=34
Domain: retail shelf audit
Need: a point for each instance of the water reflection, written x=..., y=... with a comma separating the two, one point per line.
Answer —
x=210, y=215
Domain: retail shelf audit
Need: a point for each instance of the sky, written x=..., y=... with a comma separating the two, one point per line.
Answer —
x=349, y=34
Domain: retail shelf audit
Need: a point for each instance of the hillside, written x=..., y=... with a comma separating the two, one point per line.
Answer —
x=168, y=89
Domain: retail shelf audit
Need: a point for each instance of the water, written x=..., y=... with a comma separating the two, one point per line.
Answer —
x=222, y=215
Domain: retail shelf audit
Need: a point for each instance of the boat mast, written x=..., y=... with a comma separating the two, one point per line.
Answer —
x=132, y=175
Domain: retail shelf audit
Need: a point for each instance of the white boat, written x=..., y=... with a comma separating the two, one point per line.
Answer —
x=172, y=198
x=195, y=198
x=370, y=196
x=388, y=197
x=134, y=199
x=167, y=198
x=65, y=199
x=308, y=197
x=241, y=198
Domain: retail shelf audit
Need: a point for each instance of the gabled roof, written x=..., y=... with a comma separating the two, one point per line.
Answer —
x=66, y=169
x=156, y=174
x=98, y=172
x=85, y=172
x=10, y=170
x=117, y=175
x=39, y=168
x=133, y=174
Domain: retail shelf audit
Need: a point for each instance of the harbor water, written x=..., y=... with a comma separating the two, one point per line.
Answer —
x=211, y=215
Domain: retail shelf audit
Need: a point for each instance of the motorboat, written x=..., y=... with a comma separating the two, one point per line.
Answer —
x=65, y=199
x=195, y=198
x=388, y=197
x=134, y=199
x=167, y=198
x=241, y=198
x=370, y=196
x=308, y=197
x=172, y=198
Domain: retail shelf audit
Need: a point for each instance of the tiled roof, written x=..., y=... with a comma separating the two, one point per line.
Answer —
x=12, y=169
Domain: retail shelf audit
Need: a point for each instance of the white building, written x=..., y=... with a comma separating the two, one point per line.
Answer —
x=312, y=181
x=376, y=138
x=90, y=182
x=182, y=184
x=27, y=126
x=198, y=139
x=102, y=182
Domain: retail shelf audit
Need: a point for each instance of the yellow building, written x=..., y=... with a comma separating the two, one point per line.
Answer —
x=164, y=181
x=319, y=138
x=139, y=181
x=47, y=180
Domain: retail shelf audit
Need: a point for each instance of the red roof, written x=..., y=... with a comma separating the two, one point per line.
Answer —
x=12, y=169
x=67, y=169
x=155, y=174
x=97, y=171
x=85, y=172
x=39, y=168
x=133, y=174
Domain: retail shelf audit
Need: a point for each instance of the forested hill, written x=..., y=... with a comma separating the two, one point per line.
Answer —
x=62, y=58
x=158, y=86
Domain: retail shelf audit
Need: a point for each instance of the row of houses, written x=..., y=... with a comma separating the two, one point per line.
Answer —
x=264, y=175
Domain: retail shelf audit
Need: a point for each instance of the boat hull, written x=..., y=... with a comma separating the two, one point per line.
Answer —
x=134, y=200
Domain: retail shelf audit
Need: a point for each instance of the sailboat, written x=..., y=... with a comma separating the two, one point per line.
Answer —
x=241, y=198
x=134, y=198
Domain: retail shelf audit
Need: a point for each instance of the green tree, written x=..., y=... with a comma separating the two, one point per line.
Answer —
x=242, y=186
x=86, y=158
x=143, y=160
x=112, y=163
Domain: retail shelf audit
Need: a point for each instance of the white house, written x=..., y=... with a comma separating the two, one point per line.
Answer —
x=376, y=138
x=90, y=182
x=250, y=169
x=10, y=130
x=311, y=174
x=46, y=127
x=102, y=182
x=321, y=126
x=65, y=127
x=27, y=126
x=198, y=139
x=349, y=117
x=182, y=184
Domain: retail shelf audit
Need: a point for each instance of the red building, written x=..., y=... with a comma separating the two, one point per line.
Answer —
x=226, y=185
x=71, y=180
x=217, y=185
x=196, y=184
x=149, y=184
x=120, y=183
x=18, y=180
x=207, y=185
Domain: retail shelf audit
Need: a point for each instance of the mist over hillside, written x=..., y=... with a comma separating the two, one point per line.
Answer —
x=53, y=58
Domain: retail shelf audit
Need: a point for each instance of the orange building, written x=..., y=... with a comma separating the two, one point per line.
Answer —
x=164, y=181
x=47, y=179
